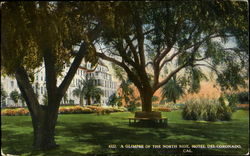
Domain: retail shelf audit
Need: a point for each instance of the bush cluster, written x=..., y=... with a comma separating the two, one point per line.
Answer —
x=163, y=109
x=75, y=110
x=15, y=112
x=208, y=110
x=89, y=109
x=243, y=97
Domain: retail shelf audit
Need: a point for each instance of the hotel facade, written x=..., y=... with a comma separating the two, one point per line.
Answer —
x=102, y=76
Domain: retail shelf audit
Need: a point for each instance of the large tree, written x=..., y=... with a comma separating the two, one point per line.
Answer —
x=46, y=32
x=178, y=37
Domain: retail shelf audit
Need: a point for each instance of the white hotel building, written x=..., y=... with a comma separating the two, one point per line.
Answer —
x=103, y=79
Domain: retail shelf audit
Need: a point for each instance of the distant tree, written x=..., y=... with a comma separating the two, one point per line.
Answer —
x=114, y=100
x=79, y=93
x=14, y=95
x=65, y=98
x=90, y=90
x=4, y=95
x=22, y=99
x=127, y=92
x=172, y=90
x=155, y=98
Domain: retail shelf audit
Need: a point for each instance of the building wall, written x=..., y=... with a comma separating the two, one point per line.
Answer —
x=101, y=74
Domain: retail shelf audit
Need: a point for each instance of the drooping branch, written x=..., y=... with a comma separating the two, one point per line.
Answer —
x=169, y=59
x=131, y=75
x=160, y=84
x=208, y=66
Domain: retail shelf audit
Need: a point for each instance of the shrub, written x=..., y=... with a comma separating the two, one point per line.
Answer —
x=8, y=112
x=208, y=110
x=22, y=111
x=14, y=112
x=87, y=110
x=243, y=97
x=75, y=110
x=163, y=109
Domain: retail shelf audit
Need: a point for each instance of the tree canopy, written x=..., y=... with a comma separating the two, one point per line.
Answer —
x=147, y=38
x=46, y=32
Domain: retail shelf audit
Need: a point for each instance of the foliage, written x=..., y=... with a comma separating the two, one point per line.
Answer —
x=230, y=99
x=79, y=93
x=133, y=105
x=27, y=36
x=155, y=98
x=163, y=109
x=46, y=33
x=233, y=101
x=243, y=97
x=90, y=90
x=145, y=39
x=205, y=109
x=172, y=90
x=65, y=98
x=14, y=95
x=127, y=92
x=3, y=95
x=114, y=100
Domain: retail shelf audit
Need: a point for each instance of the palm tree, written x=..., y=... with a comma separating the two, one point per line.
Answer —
x=127, y=91
x=90, y=90
x=172, y=90
x=65, y=98
x=78, y=93
x=3, y=96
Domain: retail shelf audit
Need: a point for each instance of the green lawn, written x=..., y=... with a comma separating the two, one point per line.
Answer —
x=79, y=134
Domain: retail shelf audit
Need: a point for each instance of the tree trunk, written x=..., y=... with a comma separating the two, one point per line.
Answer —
x=44, y=131
x=88, y=101
x=146, y=99
x=43, y=117
x=81, y=101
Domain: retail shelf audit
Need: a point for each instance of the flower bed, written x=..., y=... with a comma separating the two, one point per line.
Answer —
x=15, y=112
x=67, y=110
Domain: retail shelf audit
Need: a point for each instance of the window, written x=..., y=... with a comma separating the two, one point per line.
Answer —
x=41, y=78
x=41, y=90
x=12, y=83
x=37, y=77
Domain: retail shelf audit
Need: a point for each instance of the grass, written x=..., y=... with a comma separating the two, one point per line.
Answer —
x=79, y=134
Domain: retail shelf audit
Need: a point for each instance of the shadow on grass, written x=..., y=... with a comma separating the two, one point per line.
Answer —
x=94, y=138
